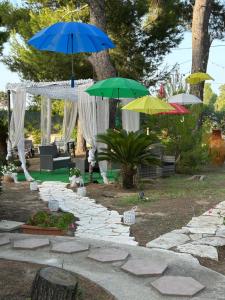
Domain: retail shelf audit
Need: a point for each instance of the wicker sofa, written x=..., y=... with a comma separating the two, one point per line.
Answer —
x=51, y=160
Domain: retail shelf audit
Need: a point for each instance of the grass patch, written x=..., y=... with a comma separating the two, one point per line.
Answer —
x=135, y=200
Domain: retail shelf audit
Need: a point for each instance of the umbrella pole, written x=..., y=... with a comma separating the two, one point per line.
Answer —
x=72, y=69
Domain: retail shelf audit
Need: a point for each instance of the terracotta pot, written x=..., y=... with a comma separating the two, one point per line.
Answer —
x=30, y=229
x=217, y=147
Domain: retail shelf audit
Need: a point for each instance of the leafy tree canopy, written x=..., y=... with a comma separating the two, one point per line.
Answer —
x=209, y=96
x=141, y=40
x=220, y=102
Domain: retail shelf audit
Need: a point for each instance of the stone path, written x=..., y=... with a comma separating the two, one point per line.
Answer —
x=200, y=237
x=95, y=220
x=127, y=272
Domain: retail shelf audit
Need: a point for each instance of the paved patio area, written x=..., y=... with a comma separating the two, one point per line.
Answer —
x=110, y=275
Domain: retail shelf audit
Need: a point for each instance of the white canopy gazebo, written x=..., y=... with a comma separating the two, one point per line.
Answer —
x=93, y=115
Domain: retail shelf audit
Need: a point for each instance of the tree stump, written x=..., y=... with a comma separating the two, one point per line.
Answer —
x=52, y=283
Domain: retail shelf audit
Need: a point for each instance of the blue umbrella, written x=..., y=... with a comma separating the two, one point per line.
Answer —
x=70, y=38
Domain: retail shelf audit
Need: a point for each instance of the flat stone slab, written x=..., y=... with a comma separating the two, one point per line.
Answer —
x=196, y=236
x=7, y=225
x=70, y=247
x=30, y=243
x=145, y=267
x=177, y=286
x=168, y=240
x=4, y=241
x=215, y=241
x=204, y=221
x=221, y=231
x=108, y=254
x=207, y=230
x=199, y=250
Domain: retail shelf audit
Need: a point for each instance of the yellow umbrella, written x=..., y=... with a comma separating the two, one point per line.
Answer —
x=196, y=78
x=149, y=105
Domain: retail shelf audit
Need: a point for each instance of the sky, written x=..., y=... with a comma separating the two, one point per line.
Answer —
x=179, y=55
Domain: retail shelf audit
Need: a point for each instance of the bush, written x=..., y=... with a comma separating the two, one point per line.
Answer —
x=46, y=219
x=182, y=139
x=36, y=135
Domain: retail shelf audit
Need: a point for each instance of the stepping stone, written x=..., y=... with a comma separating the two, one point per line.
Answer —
x=208, y=229
x=69, y=247
x=145, y=267
x=30, y=243
x=168, y=240
x=205, y=221
x=177, y=286
x=199, y=250
x=215, y=241
x=6, y=225
x=4, y=241
x=196, y=236
x=108, y=254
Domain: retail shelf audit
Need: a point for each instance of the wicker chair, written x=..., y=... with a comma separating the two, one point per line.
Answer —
x=50, y=159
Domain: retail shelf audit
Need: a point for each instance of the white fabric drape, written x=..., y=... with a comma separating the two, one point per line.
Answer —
x=69, y=120
x=87, y=114
x=46, y=111
x=94, y=118
x=102, y=126
x=130, y=119
x=16, y=134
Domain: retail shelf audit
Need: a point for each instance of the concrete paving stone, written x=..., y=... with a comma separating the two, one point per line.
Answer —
x=168, y=241
x=4, y=241
x=177, y=286
x=108, y=254
x=30, y=243
x=215, y=241
x=7, y=225
x=70, y=247
x=145, y=267
x=205, y=251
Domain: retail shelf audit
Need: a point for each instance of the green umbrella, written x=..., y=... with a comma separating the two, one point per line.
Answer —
x=117, y=87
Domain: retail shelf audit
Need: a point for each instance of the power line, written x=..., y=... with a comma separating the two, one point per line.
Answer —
x=189, y=48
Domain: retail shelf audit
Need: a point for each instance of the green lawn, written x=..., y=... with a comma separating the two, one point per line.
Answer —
x=63, y=175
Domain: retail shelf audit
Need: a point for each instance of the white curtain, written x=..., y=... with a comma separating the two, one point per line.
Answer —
x=69, y=120
x=94, y=118
x=130, y=119
x=16, y=134
x=102, y=126
x=46, y=111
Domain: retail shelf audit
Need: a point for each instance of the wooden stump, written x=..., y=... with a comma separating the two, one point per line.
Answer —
x=52, y=283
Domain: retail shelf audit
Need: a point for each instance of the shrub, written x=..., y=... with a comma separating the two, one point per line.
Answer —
x=129, y=149
x=46, y=219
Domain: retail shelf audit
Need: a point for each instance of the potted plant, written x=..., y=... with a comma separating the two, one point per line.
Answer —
x=45, y=223
x=9, y=172
x=75, y=177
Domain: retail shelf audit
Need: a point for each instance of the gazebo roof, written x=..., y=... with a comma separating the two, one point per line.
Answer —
x=52, y=90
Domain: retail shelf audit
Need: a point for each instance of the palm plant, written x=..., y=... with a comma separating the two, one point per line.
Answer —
x=129, y=149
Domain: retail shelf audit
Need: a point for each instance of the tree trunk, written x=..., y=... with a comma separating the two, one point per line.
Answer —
x=81, y=146
x=200, y=41
x=127, y=177
x=52, y=283
x=101, y=61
